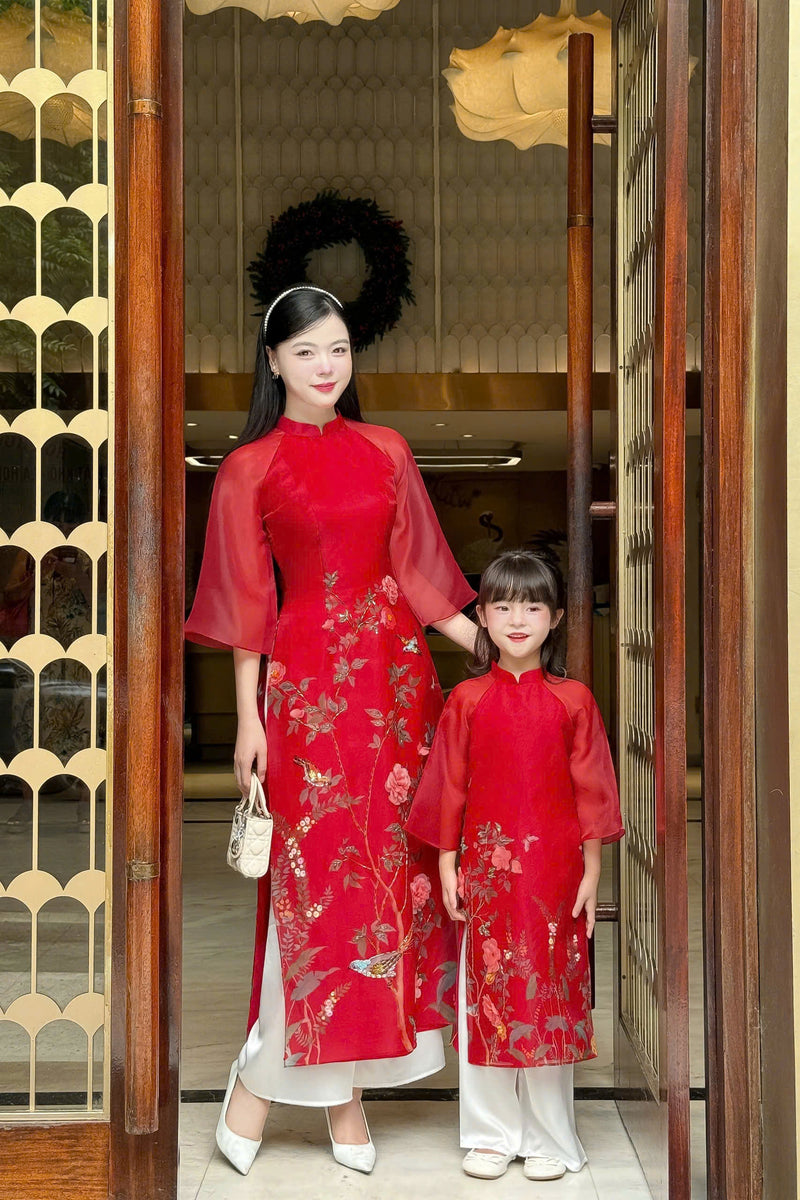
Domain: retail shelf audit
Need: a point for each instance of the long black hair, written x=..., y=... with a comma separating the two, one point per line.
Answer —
x=534, y=579
x=295, y=312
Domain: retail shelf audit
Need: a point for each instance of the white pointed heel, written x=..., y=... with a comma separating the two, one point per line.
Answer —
x=357, y=1158
x=239, y=1151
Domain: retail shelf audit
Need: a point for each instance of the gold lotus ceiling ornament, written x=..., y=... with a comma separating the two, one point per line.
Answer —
x=515, y=85
x=332, y=12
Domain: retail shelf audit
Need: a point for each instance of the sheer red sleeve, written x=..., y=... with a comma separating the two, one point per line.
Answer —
x=423, y=564
x=594, y=783
x=437, y=813
x=236, y=602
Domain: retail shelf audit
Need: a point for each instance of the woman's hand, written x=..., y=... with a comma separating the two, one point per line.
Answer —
x=251, y=740
x=251, y=747
x=587, y=892
x=587, y=899
x=449, y=878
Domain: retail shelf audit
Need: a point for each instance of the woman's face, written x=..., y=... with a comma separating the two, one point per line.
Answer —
x=315, y=365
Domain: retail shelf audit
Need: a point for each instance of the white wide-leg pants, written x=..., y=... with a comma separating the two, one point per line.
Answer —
x=261, y=1064
x=522, y=1111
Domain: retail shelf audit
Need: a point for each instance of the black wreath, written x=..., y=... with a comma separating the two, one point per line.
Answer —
x=330, y=220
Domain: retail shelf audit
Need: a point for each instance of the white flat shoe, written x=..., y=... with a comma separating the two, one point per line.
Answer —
x=486, y=1164
x=357, y=1158
x=239, y=1151
x=538, y=1167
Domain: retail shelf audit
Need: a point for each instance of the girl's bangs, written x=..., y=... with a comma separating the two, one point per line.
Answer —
x=521, y=580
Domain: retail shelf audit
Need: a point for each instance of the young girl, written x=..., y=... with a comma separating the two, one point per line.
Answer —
x=521, y=785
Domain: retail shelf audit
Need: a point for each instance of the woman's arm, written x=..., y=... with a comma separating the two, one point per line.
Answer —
x=460, y=630
x=251, y=740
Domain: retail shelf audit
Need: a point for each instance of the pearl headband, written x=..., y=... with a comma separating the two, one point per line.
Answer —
x=302, y=287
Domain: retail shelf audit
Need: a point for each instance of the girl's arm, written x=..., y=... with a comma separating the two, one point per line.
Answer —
x=449, y=878
x=587, y=892
x=459, y=629
x=251, y=740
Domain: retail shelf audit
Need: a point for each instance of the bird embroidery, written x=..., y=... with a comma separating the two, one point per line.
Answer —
x=382, y=966
x=410, y=645
x=313, y=776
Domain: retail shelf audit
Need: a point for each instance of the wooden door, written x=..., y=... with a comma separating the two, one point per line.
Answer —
x=652, y=1058
x=91, y=610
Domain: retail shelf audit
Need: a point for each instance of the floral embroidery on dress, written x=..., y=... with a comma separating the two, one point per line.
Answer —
x=490, y=867
x=355, y=866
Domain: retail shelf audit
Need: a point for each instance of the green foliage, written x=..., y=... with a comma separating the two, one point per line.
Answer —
x=66, y=254
x=59, y=6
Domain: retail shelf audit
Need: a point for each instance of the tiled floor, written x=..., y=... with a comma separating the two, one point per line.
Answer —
x=218, y=930
x=418, y=1158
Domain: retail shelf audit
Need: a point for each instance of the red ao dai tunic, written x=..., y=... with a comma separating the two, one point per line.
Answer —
x=351, y=701
x=519, y=776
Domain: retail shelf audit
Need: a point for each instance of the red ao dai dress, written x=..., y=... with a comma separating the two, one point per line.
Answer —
x=351, y=700
x=519, y=776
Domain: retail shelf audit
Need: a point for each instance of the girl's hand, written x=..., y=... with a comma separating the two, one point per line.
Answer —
x=251, y=746
x=587, y=899
x=449, y=878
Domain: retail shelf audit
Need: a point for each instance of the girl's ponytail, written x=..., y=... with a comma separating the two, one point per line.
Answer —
x=484, y=654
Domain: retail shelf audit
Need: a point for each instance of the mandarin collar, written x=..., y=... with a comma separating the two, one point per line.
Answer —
x=308, y=429
x=502, y=676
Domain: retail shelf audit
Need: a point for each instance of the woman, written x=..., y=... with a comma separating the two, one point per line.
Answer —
x=354, y=963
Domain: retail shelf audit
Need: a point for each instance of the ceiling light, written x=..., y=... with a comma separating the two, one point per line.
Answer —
x=440, y=424
x=208, y=462
x=466, y=462
x=466, y=435
x=233, y=437
x=191, y=424
x=515, y=85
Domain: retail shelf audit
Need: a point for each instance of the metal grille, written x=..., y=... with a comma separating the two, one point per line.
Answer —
x=636, y=292
x=55, y=402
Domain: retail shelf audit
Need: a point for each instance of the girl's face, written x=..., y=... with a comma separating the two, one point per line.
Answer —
x=315, y=365
x=519, y=629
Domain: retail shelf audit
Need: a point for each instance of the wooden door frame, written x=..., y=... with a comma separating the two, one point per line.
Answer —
x=148, y=599
x=729, y=793
x=134, y=1155
x=771, y=634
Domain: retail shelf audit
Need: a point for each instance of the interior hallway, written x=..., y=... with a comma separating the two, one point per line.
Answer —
x=218, y=932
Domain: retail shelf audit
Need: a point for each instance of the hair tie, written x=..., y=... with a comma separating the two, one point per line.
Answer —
x=300, y=287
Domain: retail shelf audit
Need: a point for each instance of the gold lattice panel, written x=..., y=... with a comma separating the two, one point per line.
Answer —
x=54, y=556
x=636, y=291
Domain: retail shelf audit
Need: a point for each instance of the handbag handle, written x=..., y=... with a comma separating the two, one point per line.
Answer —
x=256, y=801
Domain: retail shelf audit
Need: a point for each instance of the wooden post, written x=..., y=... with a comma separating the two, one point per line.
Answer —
x=579, y=357
x=144, y=519
x=148, y=480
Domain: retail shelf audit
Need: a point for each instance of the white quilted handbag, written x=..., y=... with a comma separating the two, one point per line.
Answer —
x=251, y=833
